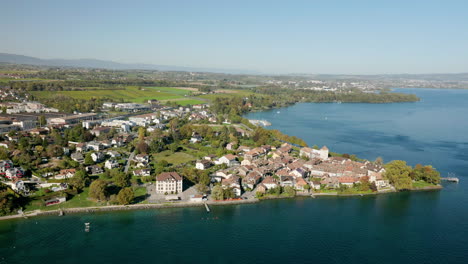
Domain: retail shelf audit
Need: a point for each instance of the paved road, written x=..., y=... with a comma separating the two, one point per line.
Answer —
x=130, y=158
x=161, y=198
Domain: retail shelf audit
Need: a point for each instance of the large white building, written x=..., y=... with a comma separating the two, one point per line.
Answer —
x=145, y=119
x=71, y=119
x=169, y=183
x=315, y=153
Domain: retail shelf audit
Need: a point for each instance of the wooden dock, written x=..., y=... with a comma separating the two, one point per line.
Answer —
x=450, y=179
x=207, y=208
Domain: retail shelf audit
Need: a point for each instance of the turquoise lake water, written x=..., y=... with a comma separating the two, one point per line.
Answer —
x=422, y=227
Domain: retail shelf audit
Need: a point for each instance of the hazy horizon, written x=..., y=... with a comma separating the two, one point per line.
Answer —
x=300, y=37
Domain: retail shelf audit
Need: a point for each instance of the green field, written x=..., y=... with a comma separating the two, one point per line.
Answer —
x=141, y=94
x=230, y=93
x=130, y=93
x=80, y=200
x=186, y=101
x=173, y=158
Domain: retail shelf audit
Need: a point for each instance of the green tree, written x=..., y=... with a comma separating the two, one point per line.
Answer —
x=9, y=200
x=23, y=143
x=217, y=193
x=201, y=188
x=365, y=184
x=141, y=134
x=228, y=193
x=203, y=178
x=398, y=173
x=122, y=179
x=289, y=191
x=160, y=166
x=80, y=180
x=98, y=190
x=88, y=159
x=125, y=196
x=275, y=191
x=42, y=120
x=54, y=151
x=156, y=146
x=4, y=153
x=426, y=173
x=142, y=147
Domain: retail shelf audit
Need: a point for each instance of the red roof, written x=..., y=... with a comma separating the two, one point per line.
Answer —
x=300, y=181
x=346, y=179
x=169, y=176
x=230, y=157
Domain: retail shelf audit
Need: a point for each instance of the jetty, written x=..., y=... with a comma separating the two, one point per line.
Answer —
x=207, y=208
x=450, y=179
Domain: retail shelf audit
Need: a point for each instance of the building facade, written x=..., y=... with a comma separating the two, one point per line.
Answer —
x=169, y=183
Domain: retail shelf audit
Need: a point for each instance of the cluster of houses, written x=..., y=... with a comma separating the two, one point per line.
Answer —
x=13, y=176
x=8, y=95
x=202, y=114
x=8, y=171
x=266, y=167
x=258, y=169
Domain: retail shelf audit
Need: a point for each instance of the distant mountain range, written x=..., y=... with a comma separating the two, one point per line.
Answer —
x=103, y=64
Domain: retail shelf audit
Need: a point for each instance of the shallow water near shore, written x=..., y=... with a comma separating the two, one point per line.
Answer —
x=416, y=227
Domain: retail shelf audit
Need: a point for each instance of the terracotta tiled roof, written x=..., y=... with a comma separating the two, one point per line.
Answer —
x=230, y=157
x=169, y=176
x=346, y=179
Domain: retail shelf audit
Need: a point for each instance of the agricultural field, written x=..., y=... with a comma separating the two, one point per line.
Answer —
x=186, y=101
x=130, y=93
x=226, y=93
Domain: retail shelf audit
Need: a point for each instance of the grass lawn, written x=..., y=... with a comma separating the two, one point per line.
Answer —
x=173, y=158
x=140, y=194
x=130, y=93
x=140, y=191
x=79, y=200
x=325, y=191
x=422, y=184
x=353, y=190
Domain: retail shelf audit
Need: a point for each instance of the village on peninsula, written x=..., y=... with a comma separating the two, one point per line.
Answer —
x=134, y=155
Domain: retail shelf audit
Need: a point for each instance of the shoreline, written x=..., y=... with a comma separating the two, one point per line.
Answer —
x=110, y=208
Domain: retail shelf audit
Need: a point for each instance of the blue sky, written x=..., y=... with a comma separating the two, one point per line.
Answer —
x=351, y=37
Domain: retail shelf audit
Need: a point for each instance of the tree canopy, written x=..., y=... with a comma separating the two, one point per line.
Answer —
x=97, y=190
x=125, y=196
x=398, y=173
